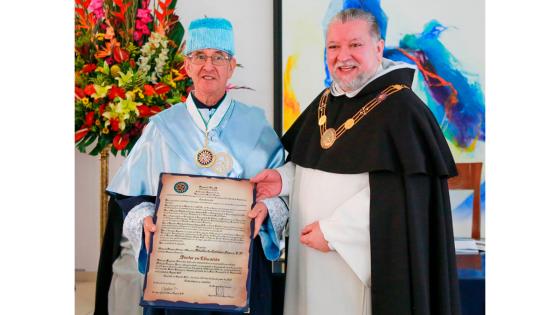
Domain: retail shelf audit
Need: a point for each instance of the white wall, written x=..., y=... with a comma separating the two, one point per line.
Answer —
x=252, y=23
x=87, y=179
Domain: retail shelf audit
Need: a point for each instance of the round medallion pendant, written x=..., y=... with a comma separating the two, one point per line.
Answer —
x=328, y=138
x=223, y=164
x=205, y=158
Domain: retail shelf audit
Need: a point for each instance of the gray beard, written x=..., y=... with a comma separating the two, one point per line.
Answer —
x=354, y=84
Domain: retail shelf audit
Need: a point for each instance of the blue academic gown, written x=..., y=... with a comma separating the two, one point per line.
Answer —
x=169, y=143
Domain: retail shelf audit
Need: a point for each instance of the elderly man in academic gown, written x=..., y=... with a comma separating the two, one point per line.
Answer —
x=209, y=134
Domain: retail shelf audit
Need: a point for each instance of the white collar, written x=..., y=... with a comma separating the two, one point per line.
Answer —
x=216, y=117
x=386, y=66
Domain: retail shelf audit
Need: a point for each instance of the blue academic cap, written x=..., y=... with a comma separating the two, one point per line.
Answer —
x=214, y=33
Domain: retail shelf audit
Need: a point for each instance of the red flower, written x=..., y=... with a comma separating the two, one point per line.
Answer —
x=120, y=142
x=183, y=98
x=89, y=68
x=89, y=119
x=89, y=89
x=144, y=110
x=149, y=90
x=79, y=93
x=114, y=124
x=120, y=54
x=162, y=88
x=102, y=109
x=155, y=109
x=80, y=134
x=116, y=91
x=183, y=70
x=132, y=64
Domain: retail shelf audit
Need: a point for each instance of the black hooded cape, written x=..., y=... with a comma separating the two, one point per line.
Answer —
x=401, y=146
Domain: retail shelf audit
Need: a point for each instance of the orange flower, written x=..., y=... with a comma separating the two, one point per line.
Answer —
x=87, y=68
x=149, y=90
x=105, y=52
x=89, y=89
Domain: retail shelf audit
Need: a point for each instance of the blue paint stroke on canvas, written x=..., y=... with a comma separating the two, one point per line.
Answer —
x=374, y=7
x=456, y=101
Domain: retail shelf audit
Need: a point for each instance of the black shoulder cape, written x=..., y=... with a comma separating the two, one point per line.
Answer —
x=400, y=145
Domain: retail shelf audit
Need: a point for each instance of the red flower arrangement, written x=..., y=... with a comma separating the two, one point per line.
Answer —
x=129, y=65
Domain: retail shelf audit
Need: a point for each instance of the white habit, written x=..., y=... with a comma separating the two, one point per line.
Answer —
x=337, y=282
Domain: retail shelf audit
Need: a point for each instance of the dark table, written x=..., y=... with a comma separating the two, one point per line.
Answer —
x=472, y=283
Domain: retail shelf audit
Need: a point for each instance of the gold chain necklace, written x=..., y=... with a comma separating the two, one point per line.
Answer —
x=330, y=135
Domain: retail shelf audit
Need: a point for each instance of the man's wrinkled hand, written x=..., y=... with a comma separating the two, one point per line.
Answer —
x=269, y=184
x=149, y=227
x=313, y=237
x=259, y=213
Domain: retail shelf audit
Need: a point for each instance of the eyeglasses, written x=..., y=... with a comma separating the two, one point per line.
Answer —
x=217, y=59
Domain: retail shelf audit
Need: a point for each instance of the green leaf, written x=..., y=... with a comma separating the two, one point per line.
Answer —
x=125, y=78
x=90, y=138
x=106, y=69
x=96, y=150
x=176, y=34
x=80, y=147
x=101, y=143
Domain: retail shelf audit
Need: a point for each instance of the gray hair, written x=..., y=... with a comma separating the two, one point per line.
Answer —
x=357, y=14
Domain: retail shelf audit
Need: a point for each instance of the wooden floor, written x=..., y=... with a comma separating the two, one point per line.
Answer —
x=84, y=293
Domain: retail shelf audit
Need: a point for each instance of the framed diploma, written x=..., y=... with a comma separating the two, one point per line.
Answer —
x=200, y=256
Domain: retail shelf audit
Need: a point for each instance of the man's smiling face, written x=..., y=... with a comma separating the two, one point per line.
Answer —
x=353, y=56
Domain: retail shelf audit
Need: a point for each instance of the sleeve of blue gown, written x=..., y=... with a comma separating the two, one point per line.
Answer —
x=271, y=230
x=134, y=232
x=139, y=173
x=134, y=209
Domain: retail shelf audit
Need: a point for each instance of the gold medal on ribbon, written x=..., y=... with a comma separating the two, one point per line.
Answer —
x=328, y=138
x=205, y=158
